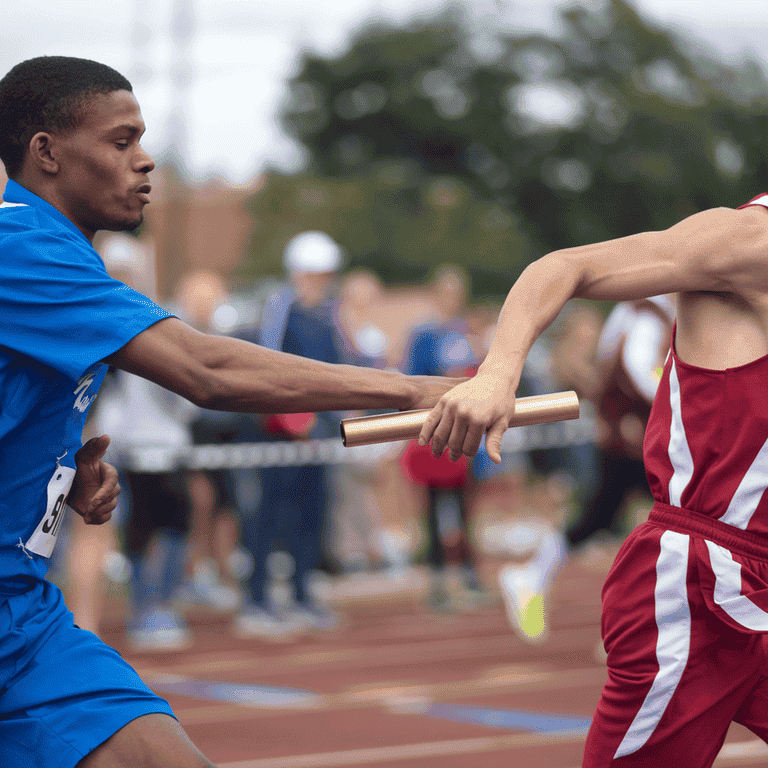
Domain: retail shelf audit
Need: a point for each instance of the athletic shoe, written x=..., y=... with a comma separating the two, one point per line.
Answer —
x=160, y=629
x=309, y=617
x=116, y=567
x=524, y=602
x=206, y=588
x=240, y=563
x=256, y=623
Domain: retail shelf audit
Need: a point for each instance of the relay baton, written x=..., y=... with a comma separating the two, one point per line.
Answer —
x=406, y=425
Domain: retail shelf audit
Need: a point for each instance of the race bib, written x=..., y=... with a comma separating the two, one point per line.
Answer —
x=43, y=540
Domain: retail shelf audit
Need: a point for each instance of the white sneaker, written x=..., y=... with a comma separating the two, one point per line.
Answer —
x=240, y=563
x=160, y=629
x=524, y=602
x=116, y=567
x=255, y=623
x=206, y=588
x=306, y=618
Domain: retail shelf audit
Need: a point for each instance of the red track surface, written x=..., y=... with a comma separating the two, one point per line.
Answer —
x=375, y=681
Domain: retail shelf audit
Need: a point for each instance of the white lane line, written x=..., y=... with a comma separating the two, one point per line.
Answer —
x=382, y=696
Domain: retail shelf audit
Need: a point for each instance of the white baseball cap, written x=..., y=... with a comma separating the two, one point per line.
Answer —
x=313, y=252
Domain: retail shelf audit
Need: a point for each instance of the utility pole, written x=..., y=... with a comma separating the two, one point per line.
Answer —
x=174, y=257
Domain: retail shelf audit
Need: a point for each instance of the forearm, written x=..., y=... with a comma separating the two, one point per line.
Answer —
x=533, y=303
x=251, y=379
x=226, y=374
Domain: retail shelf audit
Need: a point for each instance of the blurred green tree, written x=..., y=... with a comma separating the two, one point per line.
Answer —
x=388, y=221
x=445, y=140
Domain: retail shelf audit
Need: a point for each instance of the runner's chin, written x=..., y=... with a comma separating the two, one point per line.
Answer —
x=129, y=224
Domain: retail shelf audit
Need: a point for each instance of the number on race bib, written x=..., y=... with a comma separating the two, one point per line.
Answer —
x=53, y=521
x=43, y=540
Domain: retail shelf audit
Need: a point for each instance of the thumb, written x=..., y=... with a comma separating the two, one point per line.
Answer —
x=93, y=450
x=493, y=440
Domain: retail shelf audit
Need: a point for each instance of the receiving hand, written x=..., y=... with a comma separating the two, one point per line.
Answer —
x=95, y=488
x=480, y=406
x=429, y=389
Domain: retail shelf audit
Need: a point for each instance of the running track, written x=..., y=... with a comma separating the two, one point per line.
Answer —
x=399, y=686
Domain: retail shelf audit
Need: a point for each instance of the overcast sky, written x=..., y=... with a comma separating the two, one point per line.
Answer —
x=243, y=50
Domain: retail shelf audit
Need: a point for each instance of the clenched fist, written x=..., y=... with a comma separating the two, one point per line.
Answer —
x=95, y=488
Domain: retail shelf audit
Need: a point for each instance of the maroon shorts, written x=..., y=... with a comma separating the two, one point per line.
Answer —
x=684, y=625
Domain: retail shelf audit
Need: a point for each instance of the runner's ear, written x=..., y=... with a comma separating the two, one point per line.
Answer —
x=42, y=153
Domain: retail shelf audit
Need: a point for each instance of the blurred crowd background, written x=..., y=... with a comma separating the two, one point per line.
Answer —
x=441, y=155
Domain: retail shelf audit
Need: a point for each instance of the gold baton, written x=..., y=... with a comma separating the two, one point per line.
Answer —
x=406, y=425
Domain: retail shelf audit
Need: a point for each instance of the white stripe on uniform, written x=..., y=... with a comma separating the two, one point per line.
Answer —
x=679, y=451
x=762, y=200
x=673, y=619
x=728, y=590
x=750, y=491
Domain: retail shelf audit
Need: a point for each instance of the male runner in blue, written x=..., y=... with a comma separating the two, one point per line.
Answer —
x=69, y=140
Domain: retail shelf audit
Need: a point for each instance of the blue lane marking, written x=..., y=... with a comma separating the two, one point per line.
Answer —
x=265, y=696
x=512, y=719
x=273, y=697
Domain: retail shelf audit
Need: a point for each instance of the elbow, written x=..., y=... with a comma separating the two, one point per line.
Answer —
x=206, y=379
x=205, y=390
x=205, y=397
x=200, y=382
x=565, y=275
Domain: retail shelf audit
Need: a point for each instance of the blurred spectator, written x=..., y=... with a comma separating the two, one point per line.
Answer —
x=443, y=348
x=356, y=313
x=574, y=367
x=291, y=511
x=142, y=415
x=632, y=347
x=552, y=477
x=214, y=529
x=359, y=539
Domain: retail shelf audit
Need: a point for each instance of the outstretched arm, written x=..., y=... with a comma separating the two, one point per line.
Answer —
x=718, y=251
x=234, y=375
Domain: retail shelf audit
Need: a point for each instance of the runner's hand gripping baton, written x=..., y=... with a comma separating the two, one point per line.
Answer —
x=406, y=425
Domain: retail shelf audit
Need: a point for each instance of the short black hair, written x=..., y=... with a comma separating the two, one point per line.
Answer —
x=48, y=93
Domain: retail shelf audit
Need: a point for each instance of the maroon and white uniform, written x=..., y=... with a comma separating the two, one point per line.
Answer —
x=685, y=606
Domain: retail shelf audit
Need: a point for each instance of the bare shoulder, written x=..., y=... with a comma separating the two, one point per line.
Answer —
x=737, y=259
x=721, y=250
x=728, y=247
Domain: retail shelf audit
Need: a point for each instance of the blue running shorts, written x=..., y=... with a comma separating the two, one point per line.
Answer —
x=64, y=692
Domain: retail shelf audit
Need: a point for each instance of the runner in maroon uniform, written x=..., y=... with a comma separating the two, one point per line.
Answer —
x=685, y=606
